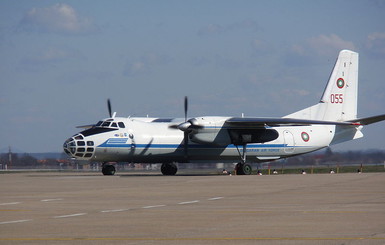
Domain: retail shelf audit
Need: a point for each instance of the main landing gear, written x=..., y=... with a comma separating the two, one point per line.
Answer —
x=168, y=169
x=243, y=168
x=108, y=169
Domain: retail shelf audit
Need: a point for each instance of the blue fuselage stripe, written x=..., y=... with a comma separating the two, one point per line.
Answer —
x=122, y=144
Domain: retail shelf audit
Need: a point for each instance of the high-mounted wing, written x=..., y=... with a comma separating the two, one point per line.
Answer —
x=369, y=120
x=277, y=122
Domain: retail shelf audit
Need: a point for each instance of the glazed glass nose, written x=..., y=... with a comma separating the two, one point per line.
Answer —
x=78, y=147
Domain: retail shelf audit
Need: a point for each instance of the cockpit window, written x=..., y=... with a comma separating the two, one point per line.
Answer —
x=121, y=125
x=99, y=123
x=106, y=124
x=114, y=125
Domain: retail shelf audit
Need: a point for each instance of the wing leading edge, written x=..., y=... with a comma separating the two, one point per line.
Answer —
x=278, y=122
x=369, y=120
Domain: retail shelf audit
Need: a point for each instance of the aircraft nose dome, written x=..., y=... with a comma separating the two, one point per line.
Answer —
x=78, y=147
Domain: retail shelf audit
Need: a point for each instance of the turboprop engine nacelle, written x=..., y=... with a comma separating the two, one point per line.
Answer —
x=209, y=130
x=217, y=131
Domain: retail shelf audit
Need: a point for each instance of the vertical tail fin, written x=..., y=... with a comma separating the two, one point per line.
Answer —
x=339, y=99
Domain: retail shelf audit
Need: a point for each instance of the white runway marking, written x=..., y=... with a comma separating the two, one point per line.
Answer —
x=51, y=200
x=69, y=215
x=9, y=203
x=114, y=210
x=155, y=206
x=215, y=198
x=14, y=221
x=190, y=202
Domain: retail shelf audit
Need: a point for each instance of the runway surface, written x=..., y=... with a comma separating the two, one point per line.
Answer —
x=88, y=208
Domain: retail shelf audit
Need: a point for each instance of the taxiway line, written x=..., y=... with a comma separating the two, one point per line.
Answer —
x=15, y=221
x=69, y=215
x=189, y=202
x=9, y=203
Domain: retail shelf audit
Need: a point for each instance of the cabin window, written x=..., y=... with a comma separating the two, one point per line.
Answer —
x=121, y=125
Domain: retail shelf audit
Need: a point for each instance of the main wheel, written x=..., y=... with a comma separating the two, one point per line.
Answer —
x=108, y=170
x=247, y=169
x=243, y=169
x=168, y=169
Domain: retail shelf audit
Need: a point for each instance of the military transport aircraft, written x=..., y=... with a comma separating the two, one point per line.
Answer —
x=241, y=140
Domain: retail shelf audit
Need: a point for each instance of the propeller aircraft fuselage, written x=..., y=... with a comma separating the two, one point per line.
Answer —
x=228, y=139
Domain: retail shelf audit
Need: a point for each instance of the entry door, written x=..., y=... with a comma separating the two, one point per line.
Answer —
x=289, y=141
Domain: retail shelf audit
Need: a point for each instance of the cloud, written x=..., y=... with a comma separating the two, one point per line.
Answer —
x=375, y=44
x=145, y=64
x=59, y=18
x=50, y=57
x=329, y=45
x=211, y=29
x=318, y=46
x=216, y=29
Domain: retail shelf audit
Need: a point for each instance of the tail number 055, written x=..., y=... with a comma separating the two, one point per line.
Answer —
x=336, y=98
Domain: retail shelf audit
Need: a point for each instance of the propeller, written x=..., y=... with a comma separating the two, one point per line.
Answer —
x=109, y=112
x=109, y=107
x=185, y=132
x=185, y=127
x=185, y=108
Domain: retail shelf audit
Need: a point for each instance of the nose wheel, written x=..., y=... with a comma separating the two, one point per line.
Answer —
x=168, y=169
x=108, y=169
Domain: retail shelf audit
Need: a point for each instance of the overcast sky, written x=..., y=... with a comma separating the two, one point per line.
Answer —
x=61, y=60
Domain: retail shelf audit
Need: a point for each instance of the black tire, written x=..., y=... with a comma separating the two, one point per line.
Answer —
x=108, y=170
x=247, y=169
x=243, y=169
x=168, y=169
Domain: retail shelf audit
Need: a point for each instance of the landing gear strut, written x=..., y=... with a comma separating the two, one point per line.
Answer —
x=108, y=169
x=168, y=169
x=243, y=168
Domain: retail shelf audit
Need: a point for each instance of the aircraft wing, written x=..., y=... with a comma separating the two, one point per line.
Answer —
x=277, y=122
x=369, y=120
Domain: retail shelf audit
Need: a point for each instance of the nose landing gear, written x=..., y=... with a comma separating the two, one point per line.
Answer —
x=108, y=169
x=168, y=169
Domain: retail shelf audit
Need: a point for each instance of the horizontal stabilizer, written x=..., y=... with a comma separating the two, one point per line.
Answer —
x=369, y=120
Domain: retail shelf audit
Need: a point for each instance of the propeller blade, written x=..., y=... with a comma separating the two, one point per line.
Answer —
x=185, y=133
x=185, y=108
x=86, y=126
x=185, y=141
x=109, y=107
